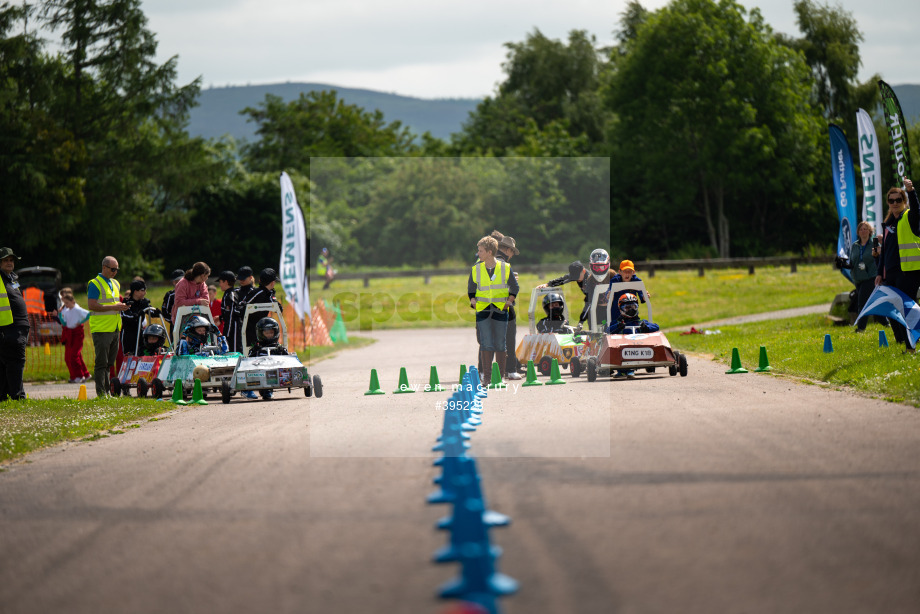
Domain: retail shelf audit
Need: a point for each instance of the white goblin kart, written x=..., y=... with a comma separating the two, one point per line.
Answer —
x=632, y=350
x=270, y=372
x=208, y=365
x=565, y=346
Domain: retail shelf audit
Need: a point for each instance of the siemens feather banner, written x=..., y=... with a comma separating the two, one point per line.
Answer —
x=871, y=170
x=844, y=192
x=897, y=133
x=293, y=270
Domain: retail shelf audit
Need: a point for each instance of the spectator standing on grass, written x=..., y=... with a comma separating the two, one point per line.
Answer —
x=166, y=309
x=72, y=317
x=235, y=338
x=227, y=282
x=14, y=329
x=192, y=289
x=863, y=269
x=105, y=322
x=506, y=250
x=899, y=257
x=492, y=289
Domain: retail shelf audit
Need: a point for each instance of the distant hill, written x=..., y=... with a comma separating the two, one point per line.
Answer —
x=219, y=107
x=909, y=97
x=218, y=110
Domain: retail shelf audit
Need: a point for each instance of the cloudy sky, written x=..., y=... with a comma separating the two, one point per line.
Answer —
x=440, y=49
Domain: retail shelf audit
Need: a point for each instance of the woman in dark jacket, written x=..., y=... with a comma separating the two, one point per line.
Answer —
x=890, y=272
x=864, y=270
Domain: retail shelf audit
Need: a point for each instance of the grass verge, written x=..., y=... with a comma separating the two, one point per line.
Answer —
x=795, y=347
x=32, y=424
x=314, y=354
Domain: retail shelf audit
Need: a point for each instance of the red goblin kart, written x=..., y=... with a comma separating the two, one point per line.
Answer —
x=631, y=351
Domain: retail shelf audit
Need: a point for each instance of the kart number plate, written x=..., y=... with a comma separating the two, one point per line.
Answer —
x=638, y=353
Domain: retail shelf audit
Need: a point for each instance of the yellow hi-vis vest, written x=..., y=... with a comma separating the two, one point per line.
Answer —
x=494, y=290
x=105, y=321
x=6, y=312
x=321, y=264
x=908, y=246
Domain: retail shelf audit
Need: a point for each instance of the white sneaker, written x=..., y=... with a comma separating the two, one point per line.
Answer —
x=513, y=375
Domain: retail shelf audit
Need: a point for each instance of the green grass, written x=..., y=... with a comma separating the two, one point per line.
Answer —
x=795, y=347
x=32, y=424
x=679, y=297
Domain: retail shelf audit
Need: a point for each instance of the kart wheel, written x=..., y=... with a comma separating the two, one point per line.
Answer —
x=142, y=388
x=672, y=370
x=683, y=365
x=575, y=368
x=650, y=369
x=225, y=392
x=125, y=390
x=308, y=390
x=592, y=369
x=317, y=386
x=546, y=365
x=157, y=388
x=116, y=387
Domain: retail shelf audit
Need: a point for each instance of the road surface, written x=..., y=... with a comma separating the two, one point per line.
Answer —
x=710, y=493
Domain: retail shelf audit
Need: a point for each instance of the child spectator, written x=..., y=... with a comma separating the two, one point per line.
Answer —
x=227, y=281
x=132, y=319
x=627, y=273
x=192, y=289
x=215, y=303
x=244, y=276
x=166, y=309
x=72, y=317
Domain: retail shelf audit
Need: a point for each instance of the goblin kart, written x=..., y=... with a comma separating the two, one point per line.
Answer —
x=566, y=347
x=632, y=350
x=271, y=372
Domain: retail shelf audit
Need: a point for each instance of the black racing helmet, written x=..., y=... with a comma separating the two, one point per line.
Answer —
x=628, y=305
x=197, y=322
x=263, y=327
x=154, y=337
x=554, y=306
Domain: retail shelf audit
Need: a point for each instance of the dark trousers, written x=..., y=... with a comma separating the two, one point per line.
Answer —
x=511, y=364
x=13, y=341
x=863, y=290
x=106, y=350
x=907, y=282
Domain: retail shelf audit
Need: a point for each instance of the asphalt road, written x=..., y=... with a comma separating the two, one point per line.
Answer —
x=710, y=493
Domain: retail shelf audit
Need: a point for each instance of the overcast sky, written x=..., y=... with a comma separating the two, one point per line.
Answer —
x=441, y=49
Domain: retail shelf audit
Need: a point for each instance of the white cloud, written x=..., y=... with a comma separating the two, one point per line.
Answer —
x=435, y=49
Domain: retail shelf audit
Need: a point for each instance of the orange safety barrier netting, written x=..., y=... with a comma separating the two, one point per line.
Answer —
x=307, y=332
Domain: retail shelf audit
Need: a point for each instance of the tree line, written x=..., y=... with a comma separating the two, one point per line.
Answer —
x=700, y=132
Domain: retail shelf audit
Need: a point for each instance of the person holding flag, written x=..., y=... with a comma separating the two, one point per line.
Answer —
x=899, y=257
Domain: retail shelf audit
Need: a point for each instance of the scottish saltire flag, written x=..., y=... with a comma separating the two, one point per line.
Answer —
x=892, y=303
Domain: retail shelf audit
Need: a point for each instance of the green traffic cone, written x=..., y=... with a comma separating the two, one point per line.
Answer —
x=764, y=363
x=433, y=384
x=554, y=376
x=403, y=387
x=197, y=394
x=496, y=378
x=177, y=393
x=375, y=384
x=531, y=375
x=736, y=363
x=462, y=373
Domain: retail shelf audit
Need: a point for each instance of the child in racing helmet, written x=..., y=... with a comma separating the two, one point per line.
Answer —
x=628, y=306
x=598, y=275
x=554, y=322
x=154, y=340
x=267, y=336
x=195, y=337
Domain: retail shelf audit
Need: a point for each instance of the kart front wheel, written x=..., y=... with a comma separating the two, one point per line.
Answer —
x=157, y=388
x=592, y=369
x=142, y=388
x=546, y=365
x=225, y=392
x=317, y=386
x=575, y=367
x=683, y=365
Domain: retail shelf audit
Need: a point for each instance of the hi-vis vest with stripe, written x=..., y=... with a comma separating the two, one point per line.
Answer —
x=105, y=321
x=908, y=246
x=6, y=312
x=494, y=290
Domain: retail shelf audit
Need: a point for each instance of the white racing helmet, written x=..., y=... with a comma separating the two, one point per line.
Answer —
x=599, y=264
